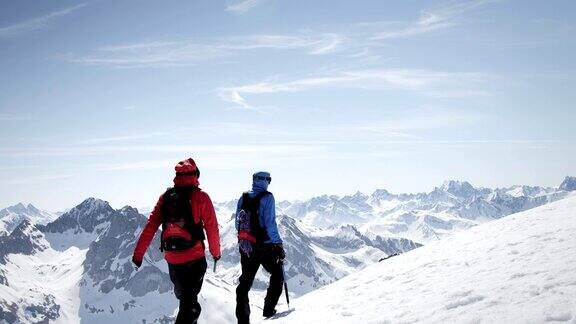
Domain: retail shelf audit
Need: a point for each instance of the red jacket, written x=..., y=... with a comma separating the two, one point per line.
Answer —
x=202, y=210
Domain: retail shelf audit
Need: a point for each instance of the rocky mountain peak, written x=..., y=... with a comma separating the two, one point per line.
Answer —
x=19, y=208
x=381, y=194
x=458, y=188
x=359, y=195
x=24, y=239
x=569, y=184
x=91, y=205
x=86, y=217
x=129, y=210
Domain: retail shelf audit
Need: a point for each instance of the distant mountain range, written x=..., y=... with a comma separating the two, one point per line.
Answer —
x=424, y=216
x=10, y=217
x=76, y=267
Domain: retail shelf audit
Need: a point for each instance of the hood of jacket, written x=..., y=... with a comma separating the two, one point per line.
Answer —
x=187, y=173
x=259, y=186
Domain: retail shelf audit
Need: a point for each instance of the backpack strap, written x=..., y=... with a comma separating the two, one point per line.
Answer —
x=261, y=195
x=196, y=229
x=247, y=201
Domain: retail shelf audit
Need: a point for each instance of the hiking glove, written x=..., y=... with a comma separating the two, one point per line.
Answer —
x=216, y=258
x=279, y=250
x=136, y=262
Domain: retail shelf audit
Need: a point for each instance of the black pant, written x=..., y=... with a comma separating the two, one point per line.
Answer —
x=262, y=255
x=187, y=279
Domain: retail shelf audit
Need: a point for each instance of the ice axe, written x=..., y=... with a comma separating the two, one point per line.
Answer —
x=285, y=284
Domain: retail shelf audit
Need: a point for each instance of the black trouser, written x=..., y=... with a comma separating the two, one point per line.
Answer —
x=262, y=255
x=187, y=279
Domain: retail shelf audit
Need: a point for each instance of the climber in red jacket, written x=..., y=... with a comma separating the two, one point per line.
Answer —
x=184, y=212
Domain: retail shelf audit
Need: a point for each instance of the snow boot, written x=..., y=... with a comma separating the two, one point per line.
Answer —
x=244, y=320
x=269, y=312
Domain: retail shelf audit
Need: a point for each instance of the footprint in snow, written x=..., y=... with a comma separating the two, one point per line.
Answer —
x=464, y=299
x=559, y=316
x=518, y=275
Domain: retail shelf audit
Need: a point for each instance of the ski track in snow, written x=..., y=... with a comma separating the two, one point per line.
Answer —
x=520, y=269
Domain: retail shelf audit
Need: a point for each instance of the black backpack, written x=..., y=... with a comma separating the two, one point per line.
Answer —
x=250, y=206
x=179, y=232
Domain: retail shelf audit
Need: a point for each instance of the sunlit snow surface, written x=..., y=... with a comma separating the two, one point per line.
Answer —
x=519, y=269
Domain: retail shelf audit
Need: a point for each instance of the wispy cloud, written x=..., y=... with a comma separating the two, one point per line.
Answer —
x=14, y=117
x=191, y=52
x=37, y=179
x=409, y=126
x=243, y=6
x=18, y=167
x=124, y=138
x=35, y=23
x=137, y=165
x=175, y=149
x=425, y=82
x=433, y=20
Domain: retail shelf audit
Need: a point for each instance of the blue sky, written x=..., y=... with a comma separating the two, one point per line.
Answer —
x=102, y=98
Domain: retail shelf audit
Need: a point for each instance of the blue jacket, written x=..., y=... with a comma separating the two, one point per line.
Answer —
x=266, y=211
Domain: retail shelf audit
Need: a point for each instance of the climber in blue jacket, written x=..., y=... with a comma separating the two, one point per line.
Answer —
x=259, y=244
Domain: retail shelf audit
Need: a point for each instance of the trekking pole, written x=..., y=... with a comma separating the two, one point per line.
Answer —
x=214, y=269
x=285, y=285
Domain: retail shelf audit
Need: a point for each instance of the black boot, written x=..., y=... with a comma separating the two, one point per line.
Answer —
x=269, y=312
x=188, y=312
x=244, y=320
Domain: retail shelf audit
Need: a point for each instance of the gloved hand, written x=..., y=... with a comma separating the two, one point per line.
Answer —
x=137, y=262
x=245, y=247
x=279, y=251
x=216, y=258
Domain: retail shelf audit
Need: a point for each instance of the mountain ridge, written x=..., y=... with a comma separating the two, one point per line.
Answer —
x=94, y=242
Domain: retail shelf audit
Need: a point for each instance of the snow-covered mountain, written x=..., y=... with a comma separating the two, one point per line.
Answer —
x=11, y=216
x=569, y=184
x=519, y=269
x=422, y=217
x=314, y=257
x=77, y=267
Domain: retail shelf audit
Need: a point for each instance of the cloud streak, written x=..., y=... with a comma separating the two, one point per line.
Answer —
x=433, y=20
x=15, y=117
x=160, y=149
x=37, y=23
x=354, y=40
x=37, y=179
x=125, y=138
x=424, y=82
x=192, y=52
x=243, y=6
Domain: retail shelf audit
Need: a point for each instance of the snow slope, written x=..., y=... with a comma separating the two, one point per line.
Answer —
x=519, y=269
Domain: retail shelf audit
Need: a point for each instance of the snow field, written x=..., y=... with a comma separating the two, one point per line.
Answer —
x=519, y=269
x=50, y=273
